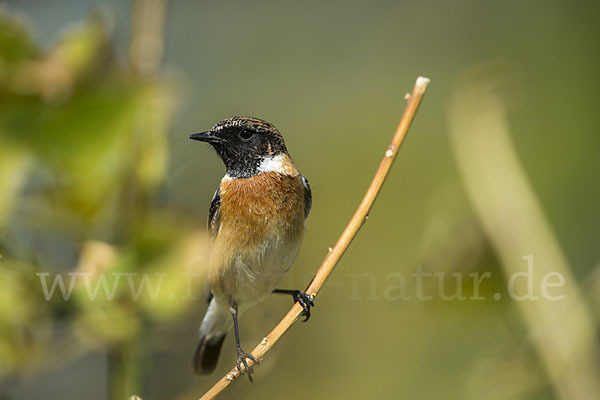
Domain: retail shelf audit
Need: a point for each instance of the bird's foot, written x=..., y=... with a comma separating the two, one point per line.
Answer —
x=242, y=364
x=302, y=298
x=306, y=301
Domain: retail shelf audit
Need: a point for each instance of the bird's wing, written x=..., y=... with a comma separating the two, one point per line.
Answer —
x=213, y=214
x=307, y=196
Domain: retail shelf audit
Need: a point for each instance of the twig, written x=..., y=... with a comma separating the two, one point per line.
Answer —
x=360, y=216
x=147, y=36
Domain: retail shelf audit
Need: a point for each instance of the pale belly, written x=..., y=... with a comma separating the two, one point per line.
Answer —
x=248, y=277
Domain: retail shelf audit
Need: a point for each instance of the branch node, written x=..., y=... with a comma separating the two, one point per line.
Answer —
x=390, y=151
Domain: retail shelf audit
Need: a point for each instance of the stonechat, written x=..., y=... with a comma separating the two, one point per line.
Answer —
x=256, y=225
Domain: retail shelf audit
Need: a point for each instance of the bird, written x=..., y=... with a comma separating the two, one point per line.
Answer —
x=256, y=226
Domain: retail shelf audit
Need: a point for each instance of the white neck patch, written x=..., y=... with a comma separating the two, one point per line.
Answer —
x=281, y=163
x=273, y=164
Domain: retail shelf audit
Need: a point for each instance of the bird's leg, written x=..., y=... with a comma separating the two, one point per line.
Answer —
x=303, y=298
x=241, y=354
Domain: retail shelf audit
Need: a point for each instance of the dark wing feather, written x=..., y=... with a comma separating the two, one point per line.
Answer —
x=307, y=196
x=213, y=214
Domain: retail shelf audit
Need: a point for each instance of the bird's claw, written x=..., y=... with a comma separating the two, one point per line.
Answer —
x=306, y=301
x=242, y=365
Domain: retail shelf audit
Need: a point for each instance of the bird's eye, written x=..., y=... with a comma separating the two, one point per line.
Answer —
x=246, y=134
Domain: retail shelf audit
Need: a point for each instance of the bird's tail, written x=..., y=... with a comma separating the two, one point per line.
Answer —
x=213, y=329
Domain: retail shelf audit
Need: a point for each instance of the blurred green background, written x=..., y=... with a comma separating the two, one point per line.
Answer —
x=97, y=177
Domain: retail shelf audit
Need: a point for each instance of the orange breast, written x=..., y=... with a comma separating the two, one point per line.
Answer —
x=261, y=206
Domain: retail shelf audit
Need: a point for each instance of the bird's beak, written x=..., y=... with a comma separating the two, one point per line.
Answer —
x=207, y=136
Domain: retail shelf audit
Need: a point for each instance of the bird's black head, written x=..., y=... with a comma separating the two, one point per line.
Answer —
x=243, y=143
